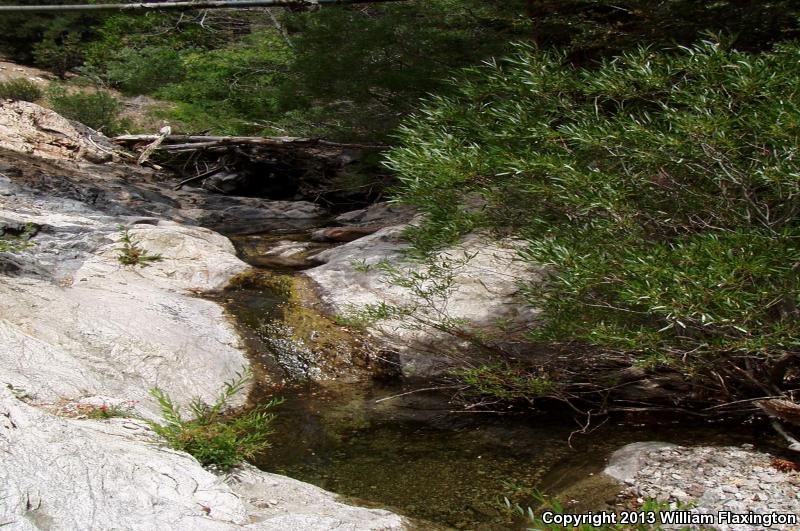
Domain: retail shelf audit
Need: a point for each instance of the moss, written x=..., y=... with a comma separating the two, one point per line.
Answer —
x=280, y=285
x=297, y=319
x=339, y=346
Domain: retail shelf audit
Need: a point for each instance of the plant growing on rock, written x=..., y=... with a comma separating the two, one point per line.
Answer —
x=103, y=412
x=131, y=253
x=17, y=240
x=214, y=436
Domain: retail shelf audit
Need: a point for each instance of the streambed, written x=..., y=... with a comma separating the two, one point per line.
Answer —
x=417, y=454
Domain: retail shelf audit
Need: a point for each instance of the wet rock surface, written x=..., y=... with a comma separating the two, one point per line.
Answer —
x=365, y=221
x=248, y=215
x=342, y=234
x=277, y=253
x=707, y=480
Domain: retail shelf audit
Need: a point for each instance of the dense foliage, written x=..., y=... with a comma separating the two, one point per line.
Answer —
x=51, y=40
x=593, y=29
x=344, y=72
x=661, y=187
x=353, y=72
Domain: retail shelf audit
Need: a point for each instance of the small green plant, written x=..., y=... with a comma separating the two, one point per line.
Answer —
x=349, y=320
x=18, y=392
x=506, y=382
x=20, y=89
x=15, y=240
x=131, y=252
x=98, y=110
x=213, y=436
x=13, y=246
x=361, y=266
x=103, y=412
x=648, y=520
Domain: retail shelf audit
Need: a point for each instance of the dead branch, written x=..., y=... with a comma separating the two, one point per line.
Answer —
x=417, y=391
x=199, y=176
x=197, y=142
x=165, y=131
x=794, y=444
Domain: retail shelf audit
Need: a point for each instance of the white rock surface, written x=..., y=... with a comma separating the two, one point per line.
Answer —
x=625, y=463
x=486, y=278
x=65, y=474
x=101, y=328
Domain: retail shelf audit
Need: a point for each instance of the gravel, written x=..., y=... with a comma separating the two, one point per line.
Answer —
x=707, y=480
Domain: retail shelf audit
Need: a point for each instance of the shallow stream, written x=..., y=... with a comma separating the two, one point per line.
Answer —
x=420, y=456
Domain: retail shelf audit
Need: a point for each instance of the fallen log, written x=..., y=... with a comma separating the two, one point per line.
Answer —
x=276, y=167
x=197, y=142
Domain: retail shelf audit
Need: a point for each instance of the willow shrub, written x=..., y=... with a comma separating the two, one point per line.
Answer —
x=662, y=188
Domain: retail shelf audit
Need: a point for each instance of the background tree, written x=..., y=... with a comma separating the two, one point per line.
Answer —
x=353, y=72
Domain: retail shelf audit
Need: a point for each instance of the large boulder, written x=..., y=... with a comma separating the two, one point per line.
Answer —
x=75, y=323
x=248, y=215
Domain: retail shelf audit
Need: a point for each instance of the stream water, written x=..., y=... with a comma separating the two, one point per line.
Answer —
x=417, y=454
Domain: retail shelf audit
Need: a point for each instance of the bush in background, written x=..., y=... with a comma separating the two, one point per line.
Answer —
x=98, y=110
x=235, y=89
x=59, y=53
x=662, y=188
x=143, y=71
x=20, y=89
